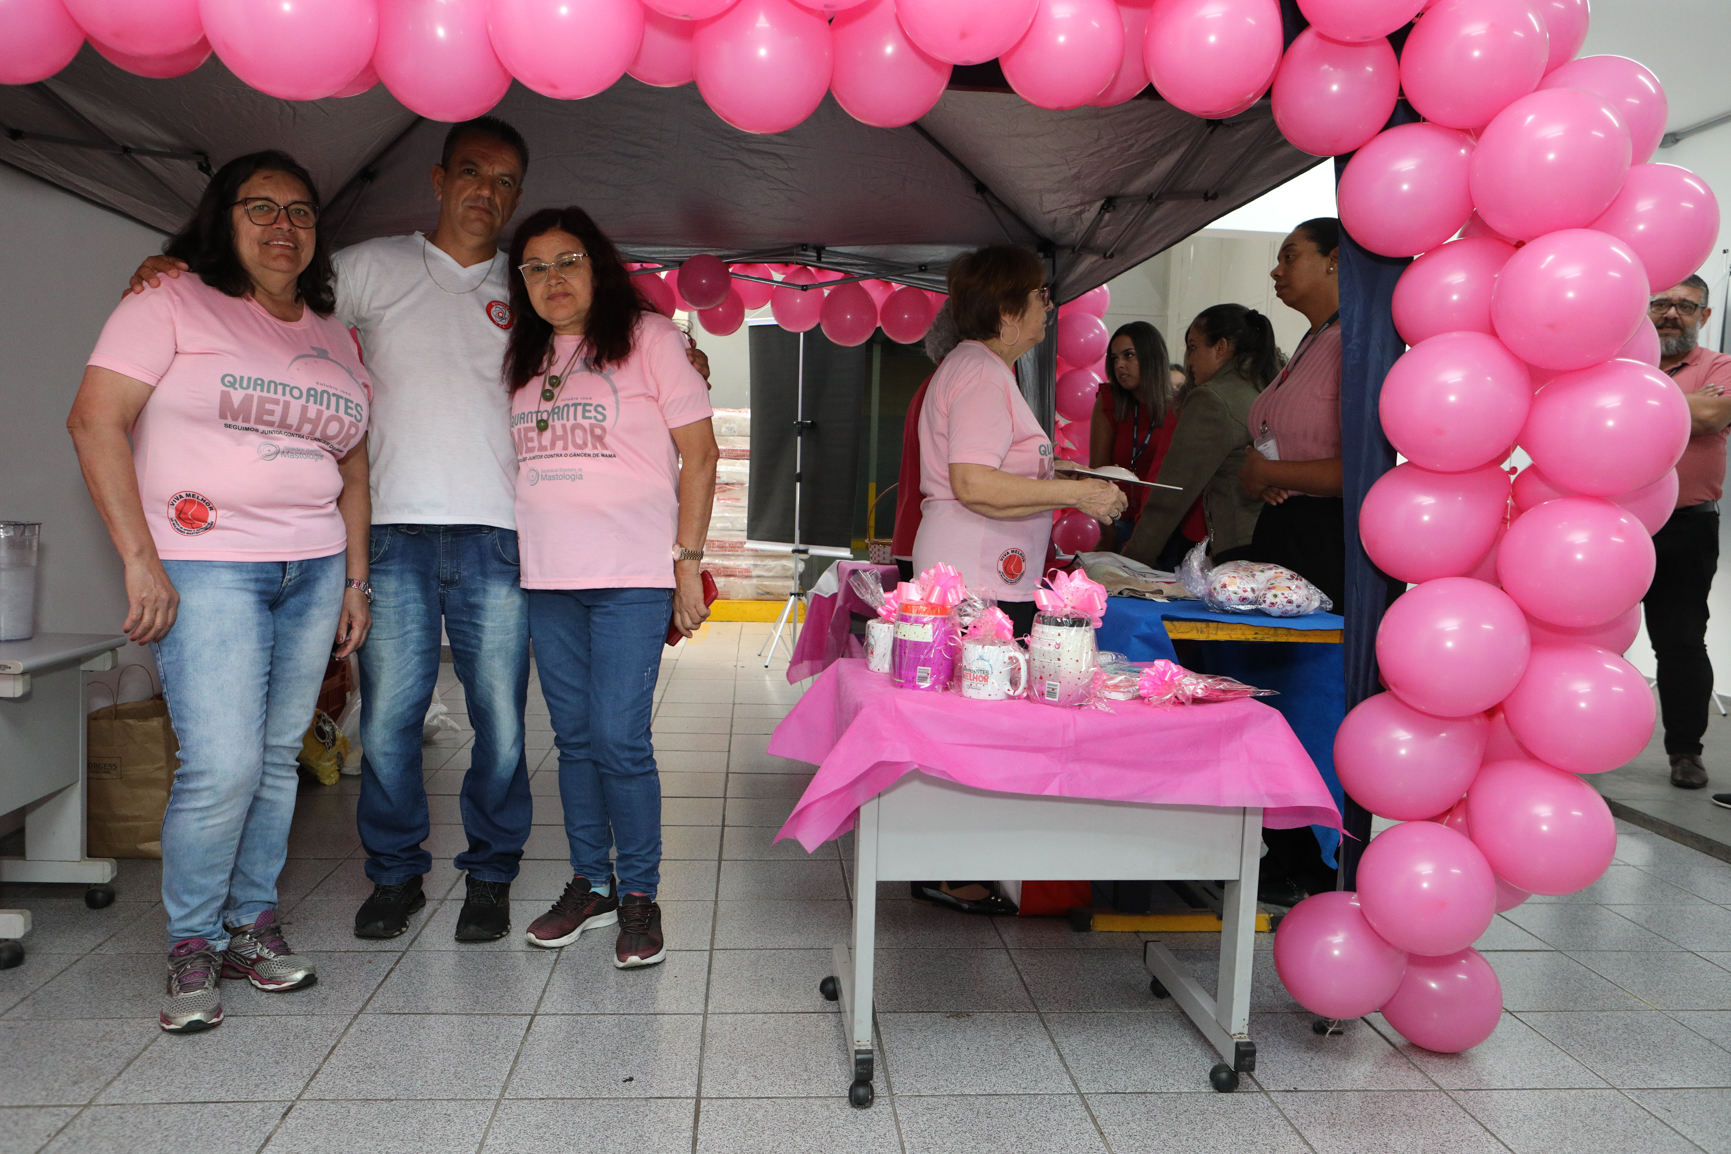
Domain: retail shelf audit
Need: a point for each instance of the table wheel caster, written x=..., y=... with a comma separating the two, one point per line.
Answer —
x=99, y=897
x=1223, y=1078
x=829, y=989
x=860, y=1095
x=1155, y=988
x=11, y=955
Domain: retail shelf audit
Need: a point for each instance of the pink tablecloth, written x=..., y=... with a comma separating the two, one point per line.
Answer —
x=864, y=734
x=825, y=639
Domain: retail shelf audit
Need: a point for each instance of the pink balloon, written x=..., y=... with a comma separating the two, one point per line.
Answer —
x=1628, y=87
x=1446, y=1004
x=1643, y=346
x=1467, y=60
x=37, y=39
x=724, y=318
x=1082, y=338
x=1500, y=745
x=1456, y=401
x=1534, y=488
x=1213, y=58
x=1096, y=301
x=1406, y=191
x=1077, y=390
x=906, y=316
x=1359, y=20
x=1418, y=525
x=880, y=290
x=1576, y=561
x=849, y=315
x=1075, y=532
x=140, y=27
x=1331, y=961
x=703, y=280
x=1566, y=21
x=564, y=50
x=1452, y=646
x=966, y=31
x=1542, y=829
x=1455, y=817
x=690, y=9
x=301, y=51
x=1069, y=54
x=1486, y=568
x=1611, y=429
x=665, y=58
x=436, y=58
x=656, y=292
x=1652, y=505
x=1448, y=289
x=1400, y=763
x=174, y=64
x=365, y=80
x=1615, y=636
x=1426, y=889
x=1508, y=896
x=1570, y=299
x=1581, y=708
x=1132, y=75
x=830, y=6
x=881, y=77
x=1669, y=217
x=1551, y=160
x=671, y=280
x=764, y=65
x=1331, y=98
x=1476, y=227
x=752, y=294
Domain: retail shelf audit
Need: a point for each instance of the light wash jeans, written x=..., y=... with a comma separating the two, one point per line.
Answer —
x=468, y=578
x=241, y=670
x=598, y=652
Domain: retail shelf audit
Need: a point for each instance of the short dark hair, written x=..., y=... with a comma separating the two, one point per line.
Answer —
x=491, y=128
x=206, y=242
x=1251, y=336
x=1695, y=282
x=608, y=333
x=1154, y=363
x=988, y=284
x=1323, y=232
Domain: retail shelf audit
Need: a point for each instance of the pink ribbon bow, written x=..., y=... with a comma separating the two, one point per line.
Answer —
x=1073, y=595
x=993, y=624
x=942, y=585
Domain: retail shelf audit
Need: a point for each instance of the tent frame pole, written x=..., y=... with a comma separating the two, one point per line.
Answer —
x=795, y=607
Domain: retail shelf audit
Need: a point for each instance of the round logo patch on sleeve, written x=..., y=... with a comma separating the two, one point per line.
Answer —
x=191, y=513
x=499, y=313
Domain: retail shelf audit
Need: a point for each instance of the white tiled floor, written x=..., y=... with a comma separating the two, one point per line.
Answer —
x=1013, y=1035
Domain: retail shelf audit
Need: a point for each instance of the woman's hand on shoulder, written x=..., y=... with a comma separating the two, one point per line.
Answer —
x=149, y=274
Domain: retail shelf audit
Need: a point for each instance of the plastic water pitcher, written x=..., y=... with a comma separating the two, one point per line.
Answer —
x=19, y=541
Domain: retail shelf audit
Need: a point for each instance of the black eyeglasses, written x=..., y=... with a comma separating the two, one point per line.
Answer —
x=1684, y=308
x=264, y=211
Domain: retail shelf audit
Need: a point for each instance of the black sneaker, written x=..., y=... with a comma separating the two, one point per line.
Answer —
x=640, y=942
x=486, y=913
x=1722, y=799
x=386, y=913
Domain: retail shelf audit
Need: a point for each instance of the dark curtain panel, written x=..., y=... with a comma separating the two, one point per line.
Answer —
x=836, y=380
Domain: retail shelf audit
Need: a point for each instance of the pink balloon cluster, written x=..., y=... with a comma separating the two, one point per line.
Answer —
x=720, y=295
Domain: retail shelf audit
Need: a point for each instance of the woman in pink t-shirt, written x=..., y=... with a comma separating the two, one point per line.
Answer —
x=616, y=461
x=239, y=508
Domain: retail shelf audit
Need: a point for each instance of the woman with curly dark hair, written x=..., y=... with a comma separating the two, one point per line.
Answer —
x=616, y=474
x=240, y=510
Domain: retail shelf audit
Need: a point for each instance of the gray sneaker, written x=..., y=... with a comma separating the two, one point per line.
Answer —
x=259, y=954
x=193, y=1001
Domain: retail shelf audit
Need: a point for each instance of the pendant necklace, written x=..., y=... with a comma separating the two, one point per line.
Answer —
x=555, y=384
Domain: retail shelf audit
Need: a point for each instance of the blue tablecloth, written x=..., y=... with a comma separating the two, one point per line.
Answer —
x=1310, y=678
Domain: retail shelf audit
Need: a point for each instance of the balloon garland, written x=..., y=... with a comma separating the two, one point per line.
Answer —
x=1541, y=226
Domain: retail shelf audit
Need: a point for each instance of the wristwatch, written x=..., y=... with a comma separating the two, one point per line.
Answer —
x=366, y=587
x=680, y=553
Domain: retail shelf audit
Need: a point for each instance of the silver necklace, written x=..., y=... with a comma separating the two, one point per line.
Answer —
x=441, y=287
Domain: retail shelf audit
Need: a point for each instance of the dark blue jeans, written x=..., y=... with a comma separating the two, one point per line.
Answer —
x=598, y=652
x=468, y=576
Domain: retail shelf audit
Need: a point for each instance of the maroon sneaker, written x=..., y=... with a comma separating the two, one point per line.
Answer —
x=579, y=908
x=640, y=941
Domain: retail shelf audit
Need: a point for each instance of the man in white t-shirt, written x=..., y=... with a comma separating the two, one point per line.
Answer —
x=432, y=315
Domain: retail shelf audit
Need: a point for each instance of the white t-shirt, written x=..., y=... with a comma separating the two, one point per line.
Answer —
x=440, y=446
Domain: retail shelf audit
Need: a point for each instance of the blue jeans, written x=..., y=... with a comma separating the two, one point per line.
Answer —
x=241, y=670
x=599, y=652
x=468, y=576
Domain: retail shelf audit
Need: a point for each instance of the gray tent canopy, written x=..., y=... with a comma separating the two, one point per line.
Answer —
x=1096, y=190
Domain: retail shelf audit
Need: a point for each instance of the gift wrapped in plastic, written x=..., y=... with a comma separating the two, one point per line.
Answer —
x=1249, y=586
x=1168, y=683
x=1116, y=678
x=923, y=654
x=993, y=666
x=1061, y=650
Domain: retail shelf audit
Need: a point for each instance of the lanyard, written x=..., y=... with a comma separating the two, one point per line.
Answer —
x=1137, y=448
x=1303, y=347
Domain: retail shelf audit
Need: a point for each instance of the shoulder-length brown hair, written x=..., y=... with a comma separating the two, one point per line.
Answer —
x=612, y=323
x=988, y=284
x=1154, y=391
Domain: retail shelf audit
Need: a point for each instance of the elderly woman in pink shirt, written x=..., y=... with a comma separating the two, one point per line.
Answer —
x=1294, y=464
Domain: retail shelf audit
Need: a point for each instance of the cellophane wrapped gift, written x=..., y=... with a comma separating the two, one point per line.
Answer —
x=1249, y=586
x=1168, y=683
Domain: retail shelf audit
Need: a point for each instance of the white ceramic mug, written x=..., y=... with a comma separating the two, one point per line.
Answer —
x=880, y=634
x=993, y=671
x=1061, y=660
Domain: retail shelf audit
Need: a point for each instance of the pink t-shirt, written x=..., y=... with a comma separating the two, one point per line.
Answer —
x=237, y=448
x=598, y=489
x=1701, y=472
x=1302, y=406
x=974, y=414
